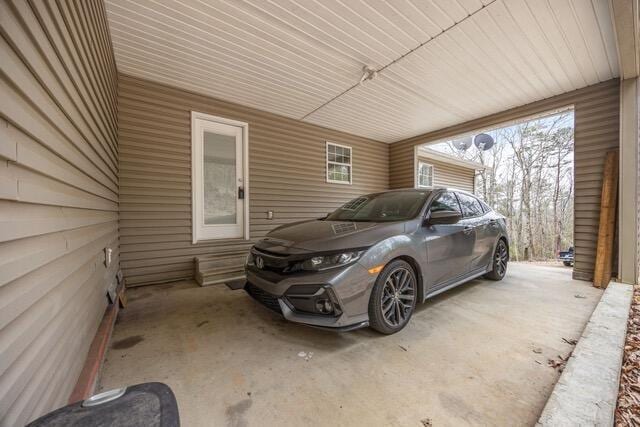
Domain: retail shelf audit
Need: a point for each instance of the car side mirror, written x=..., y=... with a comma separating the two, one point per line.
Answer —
x=444, y=217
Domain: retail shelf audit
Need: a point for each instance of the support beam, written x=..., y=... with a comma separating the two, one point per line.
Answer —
x=626, y=22
x=628, y=187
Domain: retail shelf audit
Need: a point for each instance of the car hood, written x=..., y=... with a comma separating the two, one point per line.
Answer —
x=321, y=235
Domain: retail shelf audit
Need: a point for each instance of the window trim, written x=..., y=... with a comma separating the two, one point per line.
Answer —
x=433, y=174
x=327, y=162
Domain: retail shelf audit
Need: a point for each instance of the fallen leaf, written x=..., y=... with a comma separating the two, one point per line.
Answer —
x=628, y=407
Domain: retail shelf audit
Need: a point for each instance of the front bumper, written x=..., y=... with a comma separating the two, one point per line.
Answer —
x=349, y=289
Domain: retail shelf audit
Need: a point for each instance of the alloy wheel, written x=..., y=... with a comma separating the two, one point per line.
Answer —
x=398, y=295
x=501, y=257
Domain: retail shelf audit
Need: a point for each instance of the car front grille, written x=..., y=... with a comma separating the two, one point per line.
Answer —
x=263, y=297
x=278, y=263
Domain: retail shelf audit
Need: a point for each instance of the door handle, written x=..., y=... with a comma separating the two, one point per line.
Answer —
x=493, y=222
x=240, y=193
x=468, y=229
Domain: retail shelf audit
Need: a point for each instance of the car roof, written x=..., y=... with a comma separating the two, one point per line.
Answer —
x=434, y=188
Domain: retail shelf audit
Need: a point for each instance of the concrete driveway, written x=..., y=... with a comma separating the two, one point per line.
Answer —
x=467, y=356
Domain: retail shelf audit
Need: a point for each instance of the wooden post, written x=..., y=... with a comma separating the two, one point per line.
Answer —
x=607, y=226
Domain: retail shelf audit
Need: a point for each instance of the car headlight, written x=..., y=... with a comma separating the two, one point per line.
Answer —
x=323, y=262
x=249, y=260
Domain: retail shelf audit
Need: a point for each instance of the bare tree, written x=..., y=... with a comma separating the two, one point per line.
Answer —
x=563, y=145
x=528, y=176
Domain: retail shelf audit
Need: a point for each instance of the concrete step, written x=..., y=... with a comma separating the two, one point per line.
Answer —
x=207, y=262
x=221, y=267
x=217, y=269
x=220, y=276
x=221, y=281
x=222, y=255
x=212, y=263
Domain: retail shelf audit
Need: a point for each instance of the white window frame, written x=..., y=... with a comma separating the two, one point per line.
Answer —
x=433, y=174
x=327, y=162
x=196, y=194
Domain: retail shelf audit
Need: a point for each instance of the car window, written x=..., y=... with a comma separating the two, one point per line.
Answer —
x=380, y=207
x=485, y=206
x=470, y=205
x=445, y=202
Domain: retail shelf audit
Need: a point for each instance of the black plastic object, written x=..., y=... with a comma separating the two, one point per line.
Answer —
x=483, y=141
x=148, y=405
x=263, y=297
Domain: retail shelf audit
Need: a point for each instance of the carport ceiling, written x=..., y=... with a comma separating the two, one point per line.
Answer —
x=439, y=62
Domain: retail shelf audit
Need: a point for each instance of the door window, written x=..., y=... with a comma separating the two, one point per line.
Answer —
x=470, y=206
x=445, y=202
x=220, y=174
x=485, y=206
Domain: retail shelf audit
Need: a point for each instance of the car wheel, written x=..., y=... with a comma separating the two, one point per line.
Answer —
x=393, y=298
x=500, y=260
x=567, y=263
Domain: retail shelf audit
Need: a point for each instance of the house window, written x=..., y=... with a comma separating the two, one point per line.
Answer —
x=425, y=175
x=338, y=164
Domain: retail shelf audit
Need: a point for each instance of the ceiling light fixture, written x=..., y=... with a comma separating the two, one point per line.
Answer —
x=368, y=73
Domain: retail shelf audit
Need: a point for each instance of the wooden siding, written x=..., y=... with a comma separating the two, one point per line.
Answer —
x=597, y=117
x=58, y=197
x=286, y=175
x=450, y=175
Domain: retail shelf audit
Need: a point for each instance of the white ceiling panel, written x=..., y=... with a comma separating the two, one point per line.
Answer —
x=439, y=62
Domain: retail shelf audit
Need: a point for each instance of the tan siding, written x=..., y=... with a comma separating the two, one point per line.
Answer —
x=596, y=131
x=58, y=197
x=449, y=175
x=286, y=175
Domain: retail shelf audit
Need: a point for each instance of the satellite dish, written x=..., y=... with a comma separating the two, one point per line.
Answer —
x=463, y=144
x=483, y=141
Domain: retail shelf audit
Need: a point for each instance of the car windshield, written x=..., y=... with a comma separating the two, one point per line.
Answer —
x=381, y=207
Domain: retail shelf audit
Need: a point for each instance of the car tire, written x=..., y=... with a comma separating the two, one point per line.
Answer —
x=500, y=260
x=567, y=263
x=393, y=298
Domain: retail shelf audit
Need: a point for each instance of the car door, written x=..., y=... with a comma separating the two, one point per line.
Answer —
x=449, y=246
x=476, y=225
x=488, y=234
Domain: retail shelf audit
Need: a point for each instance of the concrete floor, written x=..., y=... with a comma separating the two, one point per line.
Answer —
x=466, y=358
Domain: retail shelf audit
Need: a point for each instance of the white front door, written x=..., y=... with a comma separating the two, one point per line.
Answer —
x=218, y=175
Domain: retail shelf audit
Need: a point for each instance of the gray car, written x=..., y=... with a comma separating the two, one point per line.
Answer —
x=370, y=261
